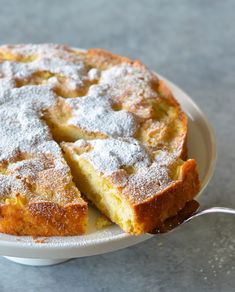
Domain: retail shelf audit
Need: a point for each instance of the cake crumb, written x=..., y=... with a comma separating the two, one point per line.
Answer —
x=37, y=239
x=102, y=221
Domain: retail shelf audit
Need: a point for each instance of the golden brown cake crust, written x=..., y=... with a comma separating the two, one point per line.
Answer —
x=155, y=210
x=43, y=219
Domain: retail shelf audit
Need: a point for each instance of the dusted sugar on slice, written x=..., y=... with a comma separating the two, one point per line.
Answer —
x=133, y=188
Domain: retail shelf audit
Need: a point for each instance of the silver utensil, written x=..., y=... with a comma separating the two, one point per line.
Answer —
x=188, y=213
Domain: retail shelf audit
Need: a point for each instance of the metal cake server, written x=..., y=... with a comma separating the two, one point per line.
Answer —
x=188, y=213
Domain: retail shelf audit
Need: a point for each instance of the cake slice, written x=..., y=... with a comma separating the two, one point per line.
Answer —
x=136, y=190
x=44, y=203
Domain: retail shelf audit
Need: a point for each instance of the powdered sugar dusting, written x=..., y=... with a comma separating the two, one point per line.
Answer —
x=27, y=150
x=10, y=186
x=22, y=130
x=129, y=83
x=147, y=182
x=109, y=155
x=94, y=113
x=53, y=59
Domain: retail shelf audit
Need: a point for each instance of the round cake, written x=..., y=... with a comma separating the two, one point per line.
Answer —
x=75, y=121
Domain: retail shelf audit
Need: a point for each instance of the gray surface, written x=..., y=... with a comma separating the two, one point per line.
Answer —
x=192, y=43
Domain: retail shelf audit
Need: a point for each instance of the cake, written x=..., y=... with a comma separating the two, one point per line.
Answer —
x=76, y=121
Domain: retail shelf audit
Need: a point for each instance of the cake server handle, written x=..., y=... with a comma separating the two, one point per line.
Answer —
x=188, y=213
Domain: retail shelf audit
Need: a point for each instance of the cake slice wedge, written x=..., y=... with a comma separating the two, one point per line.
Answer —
x=135, y=189
x=39, y=198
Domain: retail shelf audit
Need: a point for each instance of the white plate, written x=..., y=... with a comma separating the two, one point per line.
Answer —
x=201, y=146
